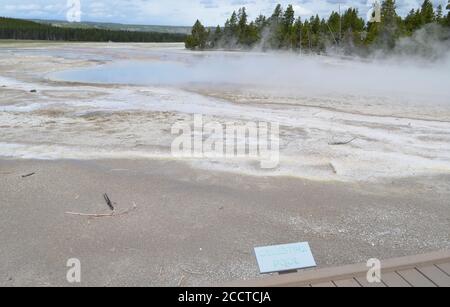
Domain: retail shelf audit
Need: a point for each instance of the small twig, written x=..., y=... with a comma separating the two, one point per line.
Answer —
x=108, y=201
x=341, y=143
x=28, y=175
x=97, y=215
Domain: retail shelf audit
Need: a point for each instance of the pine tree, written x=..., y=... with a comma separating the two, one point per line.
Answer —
x=447, y=21
x=230, y=31
x=218, y=31
x=388, y=12
x=282, y=30
x=413, y=21
x=242, y=19
x=199, y=37
x=287, y=25
x=306, y=36
x=288, y=17
x=427, y=12
x=242, y=26
x=373, y=32
x=276, y=28
x=277, y=14
x=297, y=33
x=389, y=29
x=314, y=34
x=333, y=23
x=261, y=22
x=217, y=37
x=351, y=21
x=253, y=34
x=352, y=27
x=233, y=19
x=439, y=14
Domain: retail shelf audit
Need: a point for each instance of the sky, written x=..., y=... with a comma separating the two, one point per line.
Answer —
x=179, y=12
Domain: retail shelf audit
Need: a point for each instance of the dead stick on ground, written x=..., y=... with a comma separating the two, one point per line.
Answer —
x=113, y=214
x=28, y=175
x=108, y=201
x=341, y=143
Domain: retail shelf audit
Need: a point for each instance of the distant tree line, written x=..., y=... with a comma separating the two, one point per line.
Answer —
x=347, y=31
x=29, y=30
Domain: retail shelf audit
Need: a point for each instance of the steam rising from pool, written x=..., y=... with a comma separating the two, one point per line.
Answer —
x=306, y=75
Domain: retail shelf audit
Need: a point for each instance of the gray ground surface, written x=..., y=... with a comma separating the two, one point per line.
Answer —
x=198, y=227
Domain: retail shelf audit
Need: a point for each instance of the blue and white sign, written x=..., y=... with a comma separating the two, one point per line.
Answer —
x=282, y=258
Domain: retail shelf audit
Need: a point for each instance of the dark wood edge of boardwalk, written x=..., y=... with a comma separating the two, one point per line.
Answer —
x=430, y=269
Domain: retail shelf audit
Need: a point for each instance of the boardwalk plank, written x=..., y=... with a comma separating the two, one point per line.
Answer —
x=427, y=270
x=324, y=285
x=347, y=283
x=416, y=279
x=363, y=282
x=393, y=280
x=437, y=276
x=445, y=267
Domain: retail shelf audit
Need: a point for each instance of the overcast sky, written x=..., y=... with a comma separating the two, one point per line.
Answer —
x=178, y=12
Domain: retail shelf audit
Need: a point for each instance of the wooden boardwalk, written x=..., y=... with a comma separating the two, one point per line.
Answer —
x=429, y=270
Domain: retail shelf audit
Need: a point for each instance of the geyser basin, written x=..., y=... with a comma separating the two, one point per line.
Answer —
x=398, y=112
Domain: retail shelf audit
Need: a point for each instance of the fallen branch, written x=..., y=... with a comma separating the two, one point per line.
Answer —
x=28, y=175
x=98, y=215
x=341, y=143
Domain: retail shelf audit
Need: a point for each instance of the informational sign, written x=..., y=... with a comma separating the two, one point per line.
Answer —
x=283, y=258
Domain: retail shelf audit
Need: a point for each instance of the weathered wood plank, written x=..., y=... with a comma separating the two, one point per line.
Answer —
x=444, y=267
x=363, y=282
x=389, y=276
x=324, y=285
x=393, y=280
x=347, y=283
x=416, y=279
x=437, y=276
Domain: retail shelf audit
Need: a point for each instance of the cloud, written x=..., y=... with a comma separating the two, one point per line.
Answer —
x=181, y=12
